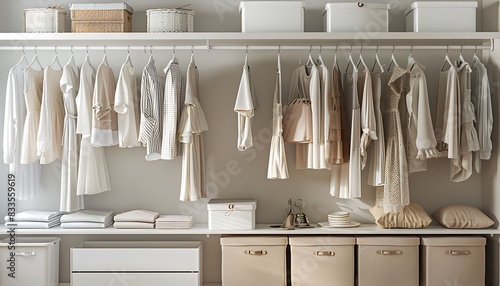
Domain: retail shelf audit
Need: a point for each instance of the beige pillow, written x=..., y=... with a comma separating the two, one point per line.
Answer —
x=461, y=216
x=412, y=216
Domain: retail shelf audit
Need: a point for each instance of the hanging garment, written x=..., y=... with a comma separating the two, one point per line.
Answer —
x=92, y=172
x=50, y=130
x=151, y=96
x=70, y=201
x=468, y=141
x=376, y=151
x=449, y=118
x=319, y=152
x=105, y=118
x=246, y=103
x=395, y=194
x=127, y=107
x=420, y=133
x=33, y=91
x=368, y=118
x=192, y=125
x=277, y=168
x=481, y=97
x=352, y=92
x=27, y=176
x=173, y=101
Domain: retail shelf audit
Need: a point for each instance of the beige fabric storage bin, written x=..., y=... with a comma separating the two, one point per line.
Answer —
x=453, y=261
x=322, y=260
x=253, y=260
x=388, y=260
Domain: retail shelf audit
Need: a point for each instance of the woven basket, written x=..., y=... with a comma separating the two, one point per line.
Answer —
x=101, y=21
x=170, y=20
x=49, y=20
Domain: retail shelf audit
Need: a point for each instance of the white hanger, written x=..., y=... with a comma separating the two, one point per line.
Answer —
x=192, y=56
x=55, y=60
x=446, y=59
x=351, y=62
x=320, y=59
x=105, y=58
x=310, y=60
x=23, y=58
x=87, y=57
x=246, y=56
x=377, y=62
x=129, y=59
x=335, y=61
x=279, y=59
x=361, y=59
x=35, y=60
x=393, y=60
x=461, y=59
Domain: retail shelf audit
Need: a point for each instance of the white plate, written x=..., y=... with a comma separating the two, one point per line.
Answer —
x=327, y=225
x=338, y=214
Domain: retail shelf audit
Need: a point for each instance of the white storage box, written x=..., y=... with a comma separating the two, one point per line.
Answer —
x=170, y=20
x=450, y=260
x=36, y=261
x=356, y=17
x=272, y=16
x=322, y=260
x=388, y=261
x=254, y=260
x=231, y=214
x=49, y=20
x=440, y=16
x=139, y=263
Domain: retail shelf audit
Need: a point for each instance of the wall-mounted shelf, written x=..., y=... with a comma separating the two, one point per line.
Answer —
x=262, y=229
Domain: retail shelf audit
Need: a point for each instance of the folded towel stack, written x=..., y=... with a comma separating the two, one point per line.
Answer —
x=136, y=219
x=87, y=219
x=174, y=221
x=33, y=219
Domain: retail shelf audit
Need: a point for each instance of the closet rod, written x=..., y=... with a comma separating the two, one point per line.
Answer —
x=147, y=48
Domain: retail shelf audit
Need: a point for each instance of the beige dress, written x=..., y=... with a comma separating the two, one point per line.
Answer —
x=33, y=98
x=50, y=130
x=105, y=118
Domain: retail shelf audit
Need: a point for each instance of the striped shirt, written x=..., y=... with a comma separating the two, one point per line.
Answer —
x=172, y=110
x=151, y=96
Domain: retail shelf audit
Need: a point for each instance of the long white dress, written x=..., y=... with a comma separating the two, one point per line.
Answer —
x=92, y=172
x=171, y=110
x=127, y=107
x=33, y=90
x=246, y=103
x=192, y=125
x=368, y=117
x=70, y=201
x=355, y=155
x=376, y=150
x=27, y=176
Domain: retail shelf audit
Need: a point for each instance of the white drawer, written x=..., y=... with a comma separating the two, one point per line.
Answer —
x=135, y=279
x=136, y=256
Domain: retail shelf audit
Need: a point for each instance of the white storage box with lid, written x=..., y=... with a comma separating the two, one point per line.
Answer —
x=254, y=260
x=170, y=20
x=356, y=17
x=388, y=260
x=36, y=261
x=322, y=260
x=450, y=260
x=231, y=214
x=272, y=16
x=137, y=263
x=441, y=16
x=48, y=20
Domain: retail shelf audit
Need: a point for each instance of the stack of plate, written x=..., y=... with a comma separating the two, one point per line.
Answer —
x=339, y=220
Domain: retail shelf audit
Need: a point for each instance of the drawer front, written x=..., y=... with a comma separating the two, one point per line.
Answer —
x=445, y=265
x=135, y=259
x=34, y=266
x=377, y=266
x=322, y=265
x=244, y=266
x=135, y=279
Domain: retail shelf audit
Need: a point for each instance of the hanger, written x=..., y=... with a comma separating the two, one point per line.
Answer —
x=129, y=60
x=55, y=60
x=23, y=58
x=35, y=60
x=320, y=59
x=335, y=61
x=377, y=62
x=192, y=56
x=351, y=62
x=446, y=59
x=246, y=56
x=310, y=60
x=393, y=60
x=361, y=60
x=461, y=59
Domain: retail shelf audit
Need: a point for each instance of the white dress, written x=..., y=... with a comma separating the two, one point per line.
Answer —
x=27, y=176
x=33, y=90
x=481, y=97
x=192, y=125
x=171, y=111
x=368, y=117
x=104, y=118
x=92, y=171
x=50, y=130
x=246, y=103
x=70, y=201
x=127, y=107
x=355, y=155
x=376, y=151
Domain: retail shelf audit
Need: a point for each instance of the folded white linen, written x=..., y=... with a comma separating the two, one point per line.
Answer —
x=87, y=216
x=134, y=225
x=173, y=225
x=137, y=216
x=79, y=225
x=174, y=218
x=40, y=216
x=31, y=224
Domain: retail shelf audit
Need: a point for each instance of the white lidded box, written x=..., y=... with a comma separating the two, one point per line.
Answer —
x=231, y=214
x=450, y=260
x=441, y=16
x=36, y=261
x=137, y=263
x=45, y=20
x=356, y=17
x=272, y=16
x=322, y=260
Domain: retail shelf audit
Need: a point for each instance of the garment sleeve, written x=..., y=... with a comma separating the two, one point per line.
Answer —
x=487, y=118
x=147, y=121
x=44, y=139
x=100, y=103
x=368, y=119
x=121, y=98
x=10, y=131
x=426, y=139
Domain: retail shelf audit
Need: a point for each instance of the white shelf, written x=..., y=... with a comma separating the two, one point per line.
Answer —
x=261, y=229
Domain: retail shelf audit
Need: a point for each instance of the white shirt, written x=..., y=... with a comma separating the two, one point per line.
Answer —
x=246, y=103
x=171, y=111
